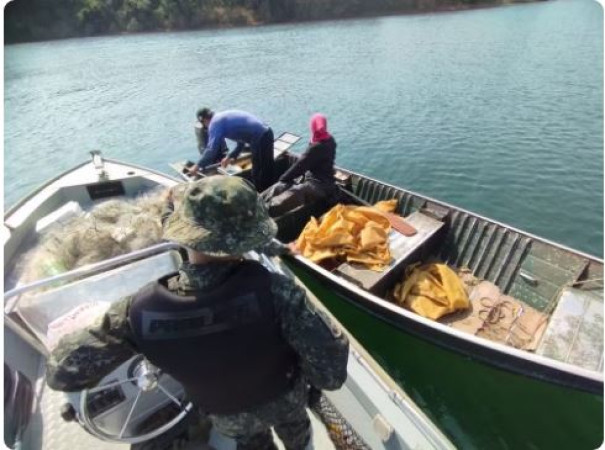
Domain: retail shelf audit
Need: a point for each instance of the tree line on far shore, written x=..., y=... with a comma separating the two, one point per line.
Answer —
x=32, y=20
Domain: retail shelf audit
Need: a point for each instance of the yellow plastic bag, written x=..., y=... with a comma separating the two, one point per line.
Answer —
x=432, y=290
x=354, y=233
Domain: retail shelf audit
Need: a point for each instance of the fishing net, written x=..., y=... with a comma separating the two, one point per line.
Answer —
x=109, y=229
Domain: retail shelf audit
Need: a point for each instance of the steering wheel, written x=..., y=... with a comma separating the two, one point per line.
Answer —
x=140, y=405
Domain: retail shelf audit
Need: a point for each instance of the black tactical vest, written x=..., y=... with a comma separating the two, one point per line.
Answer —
x=224, y=346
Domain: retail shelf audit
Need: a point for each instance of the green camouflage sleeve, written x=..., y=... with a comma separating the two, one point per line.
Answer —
x=81, y=359
x=321, y=346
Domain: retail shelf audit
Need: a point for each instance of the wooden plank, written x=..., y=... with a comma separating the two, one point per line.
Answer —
x=400, y=225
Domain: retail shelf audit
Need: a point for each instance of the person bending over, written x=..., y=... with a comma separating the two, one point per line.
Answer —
x=243, y=128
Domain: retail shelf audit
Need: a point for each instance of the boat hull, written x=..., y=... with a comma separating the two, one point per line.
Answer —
x=472, y=400
x=502, y=357
x=368, y=395
x=485, y=394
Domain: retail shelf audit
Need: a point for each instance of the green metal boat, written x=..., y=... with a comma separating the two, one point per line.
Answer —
x=484, y=394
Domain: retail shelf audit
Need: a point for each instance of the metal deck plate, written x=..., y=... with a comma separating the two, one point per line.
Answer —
x=48, y=431
x=575, y=331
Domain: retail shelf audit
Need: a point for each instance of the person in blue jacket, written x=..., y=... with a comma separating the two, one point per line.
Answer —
x=243, y=128
x=203, y=116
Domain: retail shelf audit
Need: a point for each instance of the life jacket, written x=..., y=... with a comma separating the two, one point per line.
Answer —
x=224, y=345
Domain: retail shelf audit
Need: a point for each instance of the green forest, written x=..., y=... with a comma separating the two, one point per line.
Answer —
x=32, y=20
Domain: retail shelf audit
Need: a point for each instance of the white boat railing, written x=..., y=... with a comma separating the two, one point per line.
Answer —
x=85, y=271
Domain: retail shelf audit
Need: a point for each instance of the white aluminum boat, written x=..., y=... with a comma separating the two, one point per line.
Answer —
x=135, y=404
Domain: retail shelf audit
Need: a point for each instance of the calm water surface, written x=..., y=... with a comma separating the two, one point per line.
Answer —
x=499, y=111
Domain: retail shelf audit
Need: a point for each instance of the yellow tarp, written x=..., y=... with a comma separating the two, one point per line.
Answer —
x=355, y=233
x=432, y=291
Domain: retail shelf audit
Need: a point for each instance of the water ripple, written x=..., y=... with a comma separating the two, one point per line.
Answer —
x=499, y=111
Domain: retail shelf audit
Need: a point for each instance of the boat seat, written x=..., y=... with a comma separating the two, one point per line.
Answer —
x=404, y=250
x=59, y=217
x=575, y=331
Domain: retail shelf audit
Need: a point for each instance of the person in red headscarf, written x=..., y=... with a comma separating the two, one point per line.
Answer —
x=314, y=172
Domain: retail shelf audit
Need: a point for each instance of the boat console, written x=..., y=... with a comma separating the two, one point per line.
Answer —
x=136, y=401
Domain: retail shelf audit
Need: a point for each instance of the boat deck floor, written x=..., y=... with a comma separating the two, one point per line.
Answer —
x=48, y=431
x=498, y=317
x=575, y=331
x=571, y=333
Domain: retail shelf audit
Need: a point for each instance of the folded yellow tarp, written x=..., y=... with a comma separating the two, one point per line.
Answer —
x=432, y=291
x=356, y=233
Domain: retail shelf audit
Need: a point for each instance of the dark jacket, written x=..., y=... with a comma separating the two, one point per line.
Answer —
x=229, y=336
x=81, y=359
x=316, y=163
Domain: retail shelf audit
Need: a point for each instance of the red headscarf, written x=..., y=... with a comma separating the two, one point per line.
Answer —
x=319, y=128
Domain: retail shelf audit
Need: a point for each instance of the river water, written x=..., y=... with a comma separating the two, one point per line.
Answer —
x=499, y=111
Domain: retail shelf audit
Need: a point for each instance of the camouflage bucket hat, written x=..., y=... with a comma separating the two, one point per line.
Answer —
x=221, y=216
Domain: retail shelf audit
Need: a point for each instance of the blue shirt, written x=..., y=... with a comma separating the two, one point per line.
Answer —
x=238, y=126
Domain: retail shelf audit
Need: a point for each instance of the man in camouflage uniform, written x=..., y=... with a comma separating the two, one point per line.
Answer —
x=244, y=342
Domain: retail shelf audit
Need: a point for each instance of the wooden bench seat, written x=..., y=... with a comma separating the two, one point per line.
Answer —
x=403, y=251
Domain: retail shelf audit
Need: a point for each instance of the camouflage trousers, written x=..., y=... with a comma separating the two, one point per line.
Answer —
x=286, y=414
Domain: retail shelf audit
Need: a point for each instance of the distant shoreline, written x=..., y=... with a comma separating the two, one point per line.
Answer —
x=11, y=39
x=369, y=15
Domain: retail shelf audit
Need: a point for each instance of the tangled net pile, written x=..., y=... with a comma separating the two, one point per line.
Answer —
x=112, y=228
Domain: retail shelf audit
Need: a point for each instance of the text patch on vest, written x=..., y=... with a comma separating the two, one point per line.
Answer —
x=202, y=321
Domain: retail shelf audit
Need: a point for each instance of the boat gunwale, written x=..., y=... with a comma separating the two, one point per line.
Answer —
x=19, y=204
x=592, y=380
x=402, y=400
x=383, y=304
x=479, y=216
